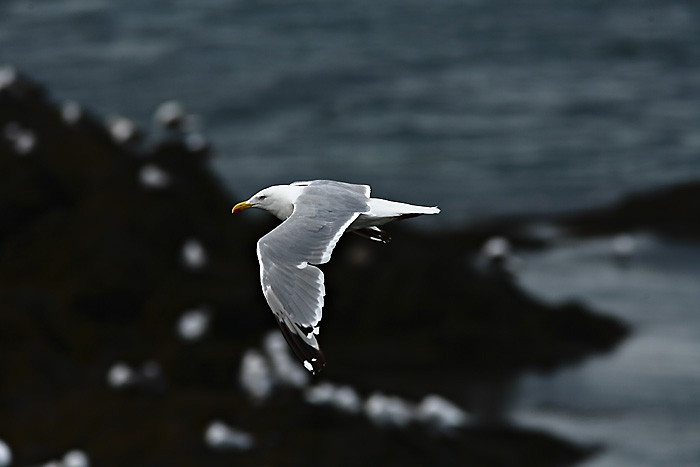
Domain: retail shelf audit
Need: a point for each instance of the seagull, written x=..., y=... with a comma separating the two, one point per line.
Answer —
x=315, y=215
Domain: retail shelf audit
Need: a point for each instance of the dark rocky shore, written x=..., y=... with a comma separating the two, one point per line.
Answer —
x=92, y=272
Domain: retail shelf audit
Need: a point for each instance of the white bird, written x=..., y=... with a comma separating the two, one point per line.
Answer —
x=315, y=215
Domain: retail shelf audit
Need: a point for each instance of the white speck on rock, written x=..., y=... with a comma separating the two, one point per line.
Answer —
x=255, y=376
x=120, y=375
x=152, y=176
x=346, y=399
x=122, y=130
x=170, y=114
x=220, y=436
x=193, y=324
x=320, y=394
x=71, y=112
x=343, y=398
x=8, y=76
x=286, y=370
x=496, y=247
x=389, y=410
x=195, y=142
x=5, y=454
x=441, y=413
x=25, y=142
x=193, y=254
x=76, y=458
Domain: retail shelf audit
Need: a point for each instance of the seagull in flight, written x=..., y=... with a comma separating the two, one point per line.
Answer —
x=314, y=215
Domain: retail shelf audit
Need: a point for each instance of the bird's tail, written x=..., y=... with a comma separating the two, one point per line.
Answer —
x=393, y=209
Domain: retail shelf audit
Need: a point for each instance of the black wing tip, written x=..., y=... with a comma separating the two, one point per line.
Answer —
x=315, y=365
x=312, y=358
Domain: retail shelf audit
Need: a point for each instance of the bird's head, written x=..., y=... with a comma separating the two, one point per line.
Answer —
x=278, y=200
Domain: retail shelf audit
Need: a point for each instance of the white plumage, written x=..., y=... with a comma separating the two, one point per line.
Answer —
x=315, y=215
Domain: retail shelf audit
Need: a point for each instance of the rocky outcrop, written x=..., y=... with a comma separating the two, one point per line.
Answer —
x=107, y=237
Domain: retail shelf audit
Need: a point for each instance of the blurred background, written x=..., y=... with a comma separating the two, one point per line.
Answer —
x=553, y=304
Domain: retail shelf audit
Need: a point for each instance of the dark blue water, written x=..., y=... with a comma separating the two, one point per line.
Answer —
x=643, y=401
x=481, y=107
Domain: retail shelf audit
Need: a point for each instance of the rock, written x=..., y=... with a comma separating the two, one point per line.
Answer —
x=96, y=269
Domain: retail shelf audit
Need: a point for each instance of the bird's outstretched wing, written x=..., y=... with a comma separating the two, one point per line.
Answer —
x=294, y=288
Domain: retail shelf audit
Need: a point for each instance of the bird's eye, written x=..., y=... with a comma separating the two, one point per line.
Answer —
x=262, y=197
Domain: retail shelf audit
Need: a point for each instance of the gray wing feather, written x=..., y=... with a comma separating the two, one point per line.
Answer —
x=294, y=288
x=361, y=189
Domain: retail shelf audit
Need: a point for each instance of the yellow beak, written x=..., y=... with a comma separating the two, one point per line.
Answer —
x=240, y=207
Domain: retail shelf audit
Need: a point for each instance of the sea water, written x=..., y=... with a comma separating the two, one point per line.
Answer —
x=480, y=107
